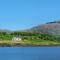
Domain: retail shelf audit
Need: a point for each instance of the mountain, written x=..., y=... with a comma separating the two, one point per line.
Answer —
x=5, y=30
x=50, y=27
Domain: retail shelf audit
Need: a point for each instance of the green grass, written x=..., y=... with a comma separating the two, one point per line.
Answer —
x=29, y=43
x=41, y=42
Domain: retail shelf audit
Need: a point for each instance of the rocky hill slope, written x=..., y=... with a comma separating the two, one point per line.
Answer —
x=50, y=27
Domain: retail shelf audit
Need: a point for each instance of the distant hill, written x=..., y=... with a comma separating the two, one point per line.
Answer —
x=5, y=30
x=50, y=27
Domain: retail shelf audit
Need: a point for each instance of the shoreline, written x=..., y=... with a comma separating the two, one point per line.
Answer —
x=29, y=45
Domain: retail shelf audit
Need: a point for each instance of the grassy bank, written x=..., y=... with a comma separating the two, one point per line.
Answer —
x=29, y=39
x=29, y=43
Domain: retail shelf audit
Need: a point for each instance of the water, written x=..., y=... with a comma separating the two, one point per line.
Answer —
x=30, y=53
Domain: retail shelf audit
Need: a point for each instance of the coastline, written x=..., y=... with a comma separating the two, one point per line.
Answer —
x=27, y=43
x=20, y=45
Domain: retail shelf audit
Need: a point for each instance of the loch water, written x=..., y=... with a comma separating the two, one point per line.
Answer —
x=29, y=53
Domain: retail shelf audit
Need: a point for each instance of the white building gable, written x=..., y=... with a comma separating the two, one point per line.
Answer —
x=16, y=39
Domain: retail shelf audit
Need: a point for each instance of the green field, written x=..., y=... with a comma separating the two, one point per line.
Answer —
x=29, y=39
x=29, y=43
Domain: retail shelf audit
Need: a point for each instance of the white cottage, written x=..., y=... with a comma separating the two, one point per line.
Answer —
x=16, y=39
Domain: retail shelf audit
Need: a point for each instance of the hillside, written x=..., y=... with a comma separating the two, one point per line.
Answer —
x=50, y=27
x=41, y=35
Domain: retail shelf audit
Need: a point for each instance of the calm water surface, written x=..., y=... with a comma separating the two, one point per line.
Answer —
x=30, y=53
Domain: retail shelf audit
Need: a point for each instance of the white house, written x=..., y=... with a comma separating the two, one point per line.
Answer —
x=16, y=39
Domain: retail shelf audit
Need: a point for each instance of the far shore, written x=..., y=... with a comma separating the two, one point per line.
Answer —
x=28, y=44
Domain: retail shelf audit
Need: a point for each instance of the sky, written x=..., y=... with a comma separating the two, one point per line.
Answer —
x=24, y=14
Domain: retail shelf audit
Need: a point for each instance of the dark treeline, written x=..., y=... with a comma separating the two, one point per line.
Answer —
x=28, y=35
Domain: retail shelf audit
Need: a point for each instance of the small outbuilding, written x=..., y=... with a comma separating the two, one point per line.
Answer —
x=16, y=39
